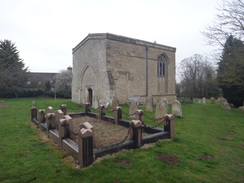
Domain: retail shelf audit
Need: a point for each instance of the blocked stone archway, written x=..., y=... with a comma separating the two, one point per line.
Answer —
x=88, y=85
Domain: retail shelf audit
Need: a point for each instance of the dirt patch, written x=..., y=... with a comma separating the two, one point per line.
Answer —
x=116, y=181
x=124, y=162
x=240, y=147
x=205, y=157
x=231, y=132
x=106, y=133
x=227, y=138
x=169, y=159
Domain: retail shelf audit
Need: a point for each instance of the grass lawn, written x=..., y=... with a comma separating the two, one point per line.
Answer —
x=209, y=143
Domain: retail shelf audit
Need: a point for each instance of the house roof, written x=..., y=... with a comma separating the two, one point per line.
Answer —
x=119, y=38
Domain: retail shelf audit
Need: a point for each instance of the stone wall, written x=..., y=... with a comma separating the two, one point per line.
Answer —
x=127, y=63
x=89, y=70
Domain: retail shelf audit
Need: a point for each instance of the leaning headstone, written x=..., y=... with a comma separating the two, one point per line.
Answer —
x=149, y=103
x=133, y=106
x=226, y=106
x=212, y=100
x=134, y=98
x=222, y=100
x=115, y=103
x=241, y=108
x=176, y=108
x=161, y=108
x=204, y=100
x=95, y=104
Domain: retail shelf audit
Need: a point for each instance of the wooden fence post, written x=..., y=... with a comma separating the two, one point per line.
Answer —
x=117, y=115
x=63, y=108
x=139, y=115
x=85, y=147
x=137, y=132
x=33, y=113
x=169, y=121
x=63, y=132
x=41, y=117
x=101, y=112
x=87, y=107
x=88, y=125
x=50, y=121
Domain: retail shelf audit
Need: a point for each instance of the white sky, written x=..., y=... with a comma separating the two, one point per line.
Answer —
x=45, y=31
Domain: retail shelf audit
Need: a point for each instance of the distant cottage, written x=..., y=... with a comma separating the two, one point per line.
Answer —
x=107, y=66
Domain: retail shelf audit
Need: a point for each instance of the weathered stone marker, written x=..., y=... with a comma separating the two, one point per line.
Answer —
x=161, y=108
x=212, y=100
x=115, y=103
x=132, y=108
x=176, y=108
x=149, y=103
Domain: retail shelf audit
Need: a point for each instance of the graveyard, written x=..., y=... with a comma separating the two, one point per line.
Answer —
x=207, y=147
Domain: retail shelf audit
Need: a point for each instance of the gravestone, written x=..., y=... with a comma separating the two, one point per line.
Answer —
x=212, y=100
x=149, y=103
x=115, y=103
x=204, y=100
x=199, y=101
x=95, y=103
x=133, y=106
x=241, y=108
x=222, y=100
x=176, y=108
x=134, y=98
x=226, y=106
x=161, y=108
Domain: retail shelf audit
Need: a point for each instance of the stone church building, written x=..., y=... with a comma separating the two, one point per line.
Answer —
x=107, y=66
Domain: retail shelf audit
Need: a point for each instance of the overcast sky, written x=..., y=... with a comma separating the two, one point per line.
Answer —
x=45, y=31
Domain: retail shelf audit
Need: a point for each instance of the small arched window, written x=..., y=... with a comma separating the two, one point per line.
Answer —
x=162, y=61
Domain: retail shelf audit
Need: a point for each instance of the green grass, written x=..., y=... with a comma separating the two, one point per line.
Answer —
x=26, y=157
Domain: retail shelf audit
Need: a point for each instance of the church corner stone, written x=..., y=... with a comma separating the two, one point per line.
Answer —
x=106, y=66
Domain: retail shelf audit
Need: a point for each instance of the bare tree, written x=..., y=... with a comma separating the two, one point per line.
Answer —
x=229, y=21
x=63, y=83
x=197, y=76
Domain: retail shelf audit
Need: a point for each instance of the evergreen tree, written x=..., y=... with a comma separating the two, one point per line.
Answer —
x=13, y=73
x=231, y=71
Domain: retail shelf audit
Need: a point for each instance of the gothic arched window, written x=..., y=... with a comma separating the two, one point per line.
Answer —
x=162, y=61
